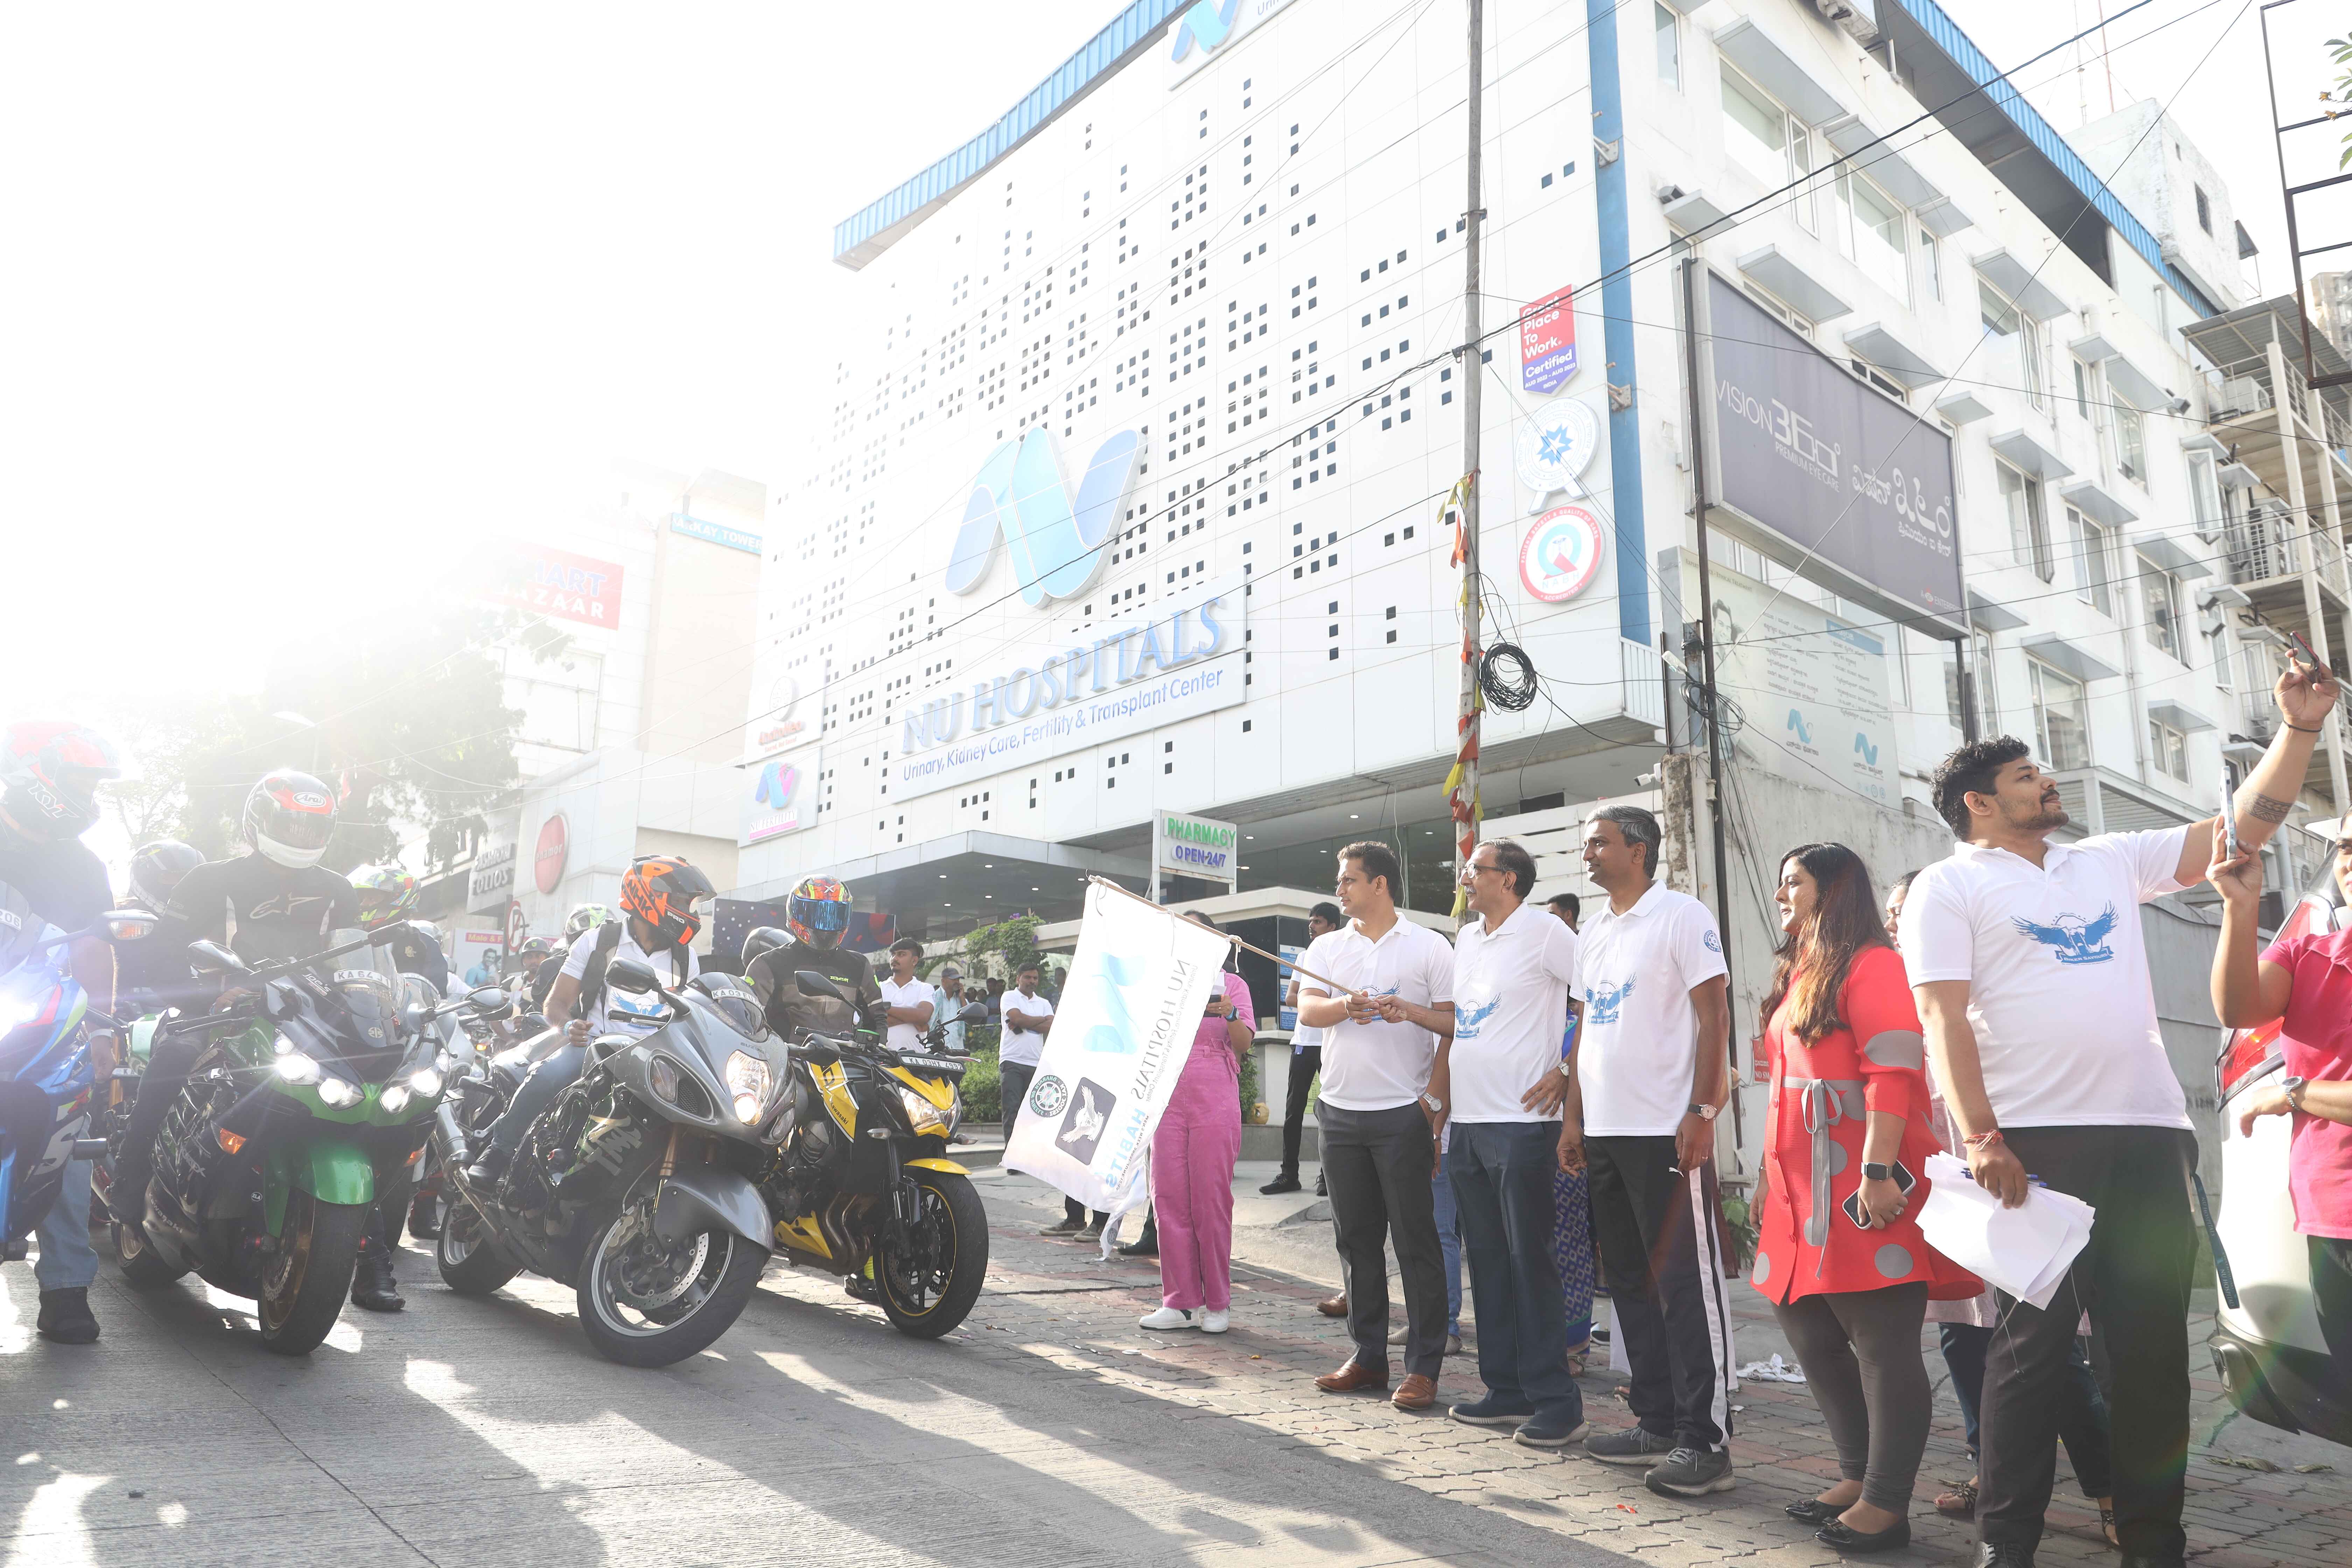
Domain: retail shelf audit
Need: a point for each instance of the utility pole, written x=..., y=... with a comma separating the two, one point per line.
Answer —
x=1461, y=786
x=1715, y=801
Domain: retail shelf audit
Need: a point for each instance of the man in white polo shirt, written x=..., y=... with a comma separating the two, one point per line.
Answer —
x=1514, y=972
x=2034, y=987
x=1651, y=1074
x=1377, y=1126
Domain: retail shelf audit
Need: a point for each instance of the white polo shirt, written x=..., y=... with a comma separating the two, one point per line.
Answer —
x=915, y=992
x=1511, y=987
x=2059, y=992
x=1379, y=1065
x=1638, y=1055
x=1022, y=1046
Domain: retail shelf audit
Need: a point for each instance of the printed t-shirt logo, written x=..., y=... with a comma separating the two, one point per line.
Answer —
x=1713, y=943
x=1605, y=1000
x=1467, y=1019
x=2073, y=939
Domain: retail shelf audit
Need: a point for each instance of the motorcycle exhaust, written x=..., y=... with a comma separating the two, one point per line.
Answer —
x=455, y=1149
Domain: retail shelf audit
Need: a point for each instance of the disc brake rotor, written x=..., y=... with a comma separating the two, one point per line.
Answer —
x=646, y=1273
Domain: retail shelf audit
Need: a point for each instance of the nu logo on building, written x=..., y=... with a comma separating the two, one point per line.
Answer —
x=1205, y=27
x=1056, y=538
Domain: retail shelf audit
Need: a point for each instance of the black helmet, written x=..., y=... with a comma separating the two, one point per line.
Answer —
x=762, y=940
x=290, y=816
x=156, y=869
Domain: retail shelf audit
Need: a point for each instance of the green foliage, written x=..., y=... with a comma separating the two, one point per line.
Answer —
x=2339, y=97
x=407, y=721
x=999, y=949
x=1250, y=1096
x=982, y=1088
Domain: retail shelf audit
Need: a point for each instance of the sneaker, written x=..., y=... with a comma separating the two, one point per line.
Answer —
x=1633, y=1445
x=1091, y=1231
x=66, y=1317
x=1493, y=1411
x=1215, y=1321
x=1166, y=1318
x=860, y=1289
x=1453, y=1343
x=1692, y=1472
x=1320, y=1190
x=1551, y=1431
x=1144, y=1245
x=1063, y=1226
x=1287, y=1182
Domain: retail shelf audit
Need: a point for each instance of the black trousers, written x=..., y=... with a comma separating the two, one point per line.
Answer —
x=2331, y=1295
x=1662, y=1253
x=1013, y=1079
x=2132, y=1278
x=1303, y=1064
x=1378, y=1167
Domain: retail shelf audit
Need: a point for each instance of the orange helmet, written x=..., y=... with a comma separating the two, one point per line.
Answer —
x=662, y=890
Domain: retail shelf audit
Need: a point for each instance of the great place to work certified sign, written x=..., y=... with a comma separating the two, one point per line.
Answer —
x=1114, y=679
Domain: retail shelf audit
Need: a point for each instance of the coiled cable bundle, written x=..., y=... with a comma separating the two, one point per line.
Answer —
x=1508, y=678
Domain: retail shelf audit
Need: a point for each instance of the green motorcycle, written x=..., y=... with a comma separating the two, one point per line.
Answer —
x=313, y=1085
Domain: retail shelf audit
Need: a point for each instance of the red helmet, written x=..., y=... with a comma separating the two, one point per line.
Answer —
x=662, y=891
x=50, y=772
x=290, y=816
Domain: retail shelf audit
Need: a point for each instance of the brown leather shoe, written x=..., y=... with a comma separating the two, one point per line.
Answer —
x=1333, y=1306
x=1355, y=1378
x=1415, y=1393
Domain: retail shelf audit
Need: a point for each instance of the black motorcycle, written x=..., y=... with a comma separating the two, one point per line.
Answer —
x=636, y=1185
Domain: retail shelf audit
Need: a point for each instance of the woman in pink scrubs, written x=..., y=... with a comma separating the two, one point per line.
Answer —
x=1192, y=1155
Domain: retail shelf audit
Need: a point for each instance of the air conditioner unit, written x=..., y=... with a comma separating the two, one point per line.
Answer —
x=1858, y=19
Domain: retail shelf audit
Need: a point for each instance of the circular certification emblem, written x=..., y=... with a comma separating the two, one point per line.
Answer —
x=1556, y=443
x=1561, y=553
x=1048, y=1096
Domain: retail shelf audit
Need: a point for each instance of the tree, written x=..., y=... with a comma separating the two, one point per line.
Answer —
x=2339, y=54
x=406, y=723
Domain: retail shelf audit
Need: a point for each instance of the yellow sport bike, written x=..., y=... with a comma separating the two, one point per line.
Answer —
x=860, y=1185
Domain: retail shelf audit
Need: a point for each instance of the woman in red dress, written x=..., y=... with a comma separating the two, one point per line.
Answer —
x=1848, y=1112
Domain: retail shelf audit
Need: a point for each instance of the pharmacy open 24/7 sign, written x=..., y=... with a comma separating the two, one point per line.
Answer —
x=1547, y=342
x=1194, y=847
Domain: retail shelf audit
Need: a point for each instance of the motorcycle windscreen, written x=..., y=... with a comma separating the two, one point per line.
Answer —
x=367, y=987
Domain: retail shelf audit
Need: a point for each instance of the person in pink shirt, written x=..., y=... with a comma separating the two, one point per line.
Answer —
x=1192, y=1154
x=2306, y=982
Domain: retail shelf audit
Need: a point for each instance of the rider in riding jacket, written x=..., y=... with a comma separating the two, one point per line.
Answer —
x=818, y=914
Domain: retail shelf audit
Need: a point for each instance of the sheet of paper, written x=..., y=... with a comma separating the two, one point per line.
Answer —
x=2024, y=1251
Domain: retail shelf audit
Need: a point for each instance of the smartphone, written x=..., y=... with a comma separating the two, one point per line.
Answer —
x=2303, y=650
x=1904, y=1182
x=2228, y=817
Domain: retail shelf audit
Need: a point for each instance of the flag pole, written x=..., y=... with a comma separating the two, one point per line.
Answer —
x=1278, y=960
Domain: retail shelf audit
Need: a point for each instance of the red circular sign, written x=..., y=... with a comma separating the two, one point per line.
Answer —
x=517, y=927
x=1561, y=553
x=554, y=845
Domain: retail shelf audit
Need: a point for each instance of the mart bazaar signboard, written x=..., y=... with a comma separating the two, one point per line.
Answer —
x=1194, y=847
x=1125, y=677
x=549, y=582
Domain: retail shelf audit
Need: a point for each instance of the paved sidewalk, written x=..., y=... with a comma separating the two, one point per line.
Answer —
x=1056, y=1299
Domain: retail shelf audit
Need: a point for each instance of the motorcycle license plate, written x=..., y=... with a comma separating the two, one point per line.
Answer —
x=947, y=1066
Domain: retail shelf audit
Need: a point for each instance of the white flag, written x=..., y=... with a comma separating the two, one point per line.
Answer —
x=1121, y=1035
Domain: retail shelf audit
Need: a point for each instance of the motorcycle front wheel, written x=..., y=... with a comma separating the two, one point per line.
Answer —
x=470, y=1264
x=141, y=1270
x=928, y=1287
x=645, y=1301
x=303, y=1291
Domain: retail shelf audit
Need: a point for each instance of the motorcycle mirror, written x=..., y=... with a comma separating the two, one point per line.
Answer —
x=630, y=975
x=212, y=958
x=489, y=998
x=975, y=1013
x=812, y=983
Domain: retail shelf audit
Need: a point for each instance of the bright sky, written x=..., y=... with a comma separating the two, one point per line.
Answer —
x=301, y=298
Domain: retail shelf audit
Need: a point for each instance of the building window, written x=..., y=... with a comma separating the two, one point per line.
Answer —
x=1867, y=224
x=2018, y=333
x=2029, y=525
x=2161, y=596
x=2131, y=440
x=2082, y=389
x=2091, y=574
x=2204, y=496
x=1931, y=262
x=1764, y=139
x=2204, y=209
x=1670, y=47
x=2167, y=746
x=2062, y=726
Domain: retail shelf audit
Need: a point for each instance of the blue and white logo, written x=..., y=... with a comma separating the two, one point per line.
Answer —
x=1713, y=942
x=1797, y=723
x=1601, y=1002
x=1204, y=22
x=2073, y=939
x=1056, y=541
x=1467, y=1019
x=1863, y=748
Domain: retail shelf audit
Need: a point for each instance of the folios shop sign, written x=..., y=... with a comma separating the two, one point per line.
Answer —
x=1184, y=661
x=1824, y=475
x=491, y=878
x=1194, y=847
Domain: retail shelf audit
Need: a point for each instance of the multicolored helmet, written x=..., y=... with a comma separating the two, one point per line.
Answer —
x=662, y=892
x=49, y=773
x=818, y=912
x=288, y=818
x=585, y=917
x=386, y=893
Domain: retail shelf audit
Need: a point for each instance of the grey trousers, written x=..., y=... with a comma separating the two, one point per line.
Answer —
x=1377, y=1166
x=1860, y=1350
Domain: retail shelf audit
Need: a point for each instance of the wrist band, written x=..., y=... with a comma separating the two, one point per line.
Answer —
x=2300, y=730
x=1984, y=1140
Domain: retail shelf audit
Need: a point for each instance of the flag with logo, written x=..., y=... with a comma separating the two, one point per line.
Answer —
x=1121, y=1035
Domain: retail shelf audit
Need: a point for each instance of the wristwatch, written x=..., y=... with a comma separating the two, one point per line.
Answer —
x=1703, y=1112
x=2291, y=1087
x=1436, y=1106
x=1568, y=1069
x=1871, y=1173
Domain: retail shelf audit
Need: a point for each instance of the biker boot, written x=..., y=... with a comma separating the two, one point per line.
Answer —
x=484, y=1171
x=372, y=1282
x=66, y=1317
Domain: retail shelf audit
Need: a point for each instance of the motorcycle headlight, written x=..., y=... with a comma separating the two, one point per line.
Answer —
x=747, y=1080
x=293, y=1066
x=425, y=1082
x=921, y=1114
x=338, y=1092
x=394, y=1099
x=282, y=1045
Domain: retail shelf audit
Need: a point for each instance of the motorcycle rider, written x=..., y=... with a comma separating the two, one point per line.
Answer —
x=584, y=918
x=152, y=974
x=273, y=901
x=387, y=894
x=49, y=773
x=818, y=914
x=659, y=895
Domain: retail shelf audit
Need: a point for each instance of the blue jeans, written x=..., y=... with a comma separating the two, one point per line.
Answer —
x=1501, y=1174
x=1449, y=1242
x=68, y=1261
